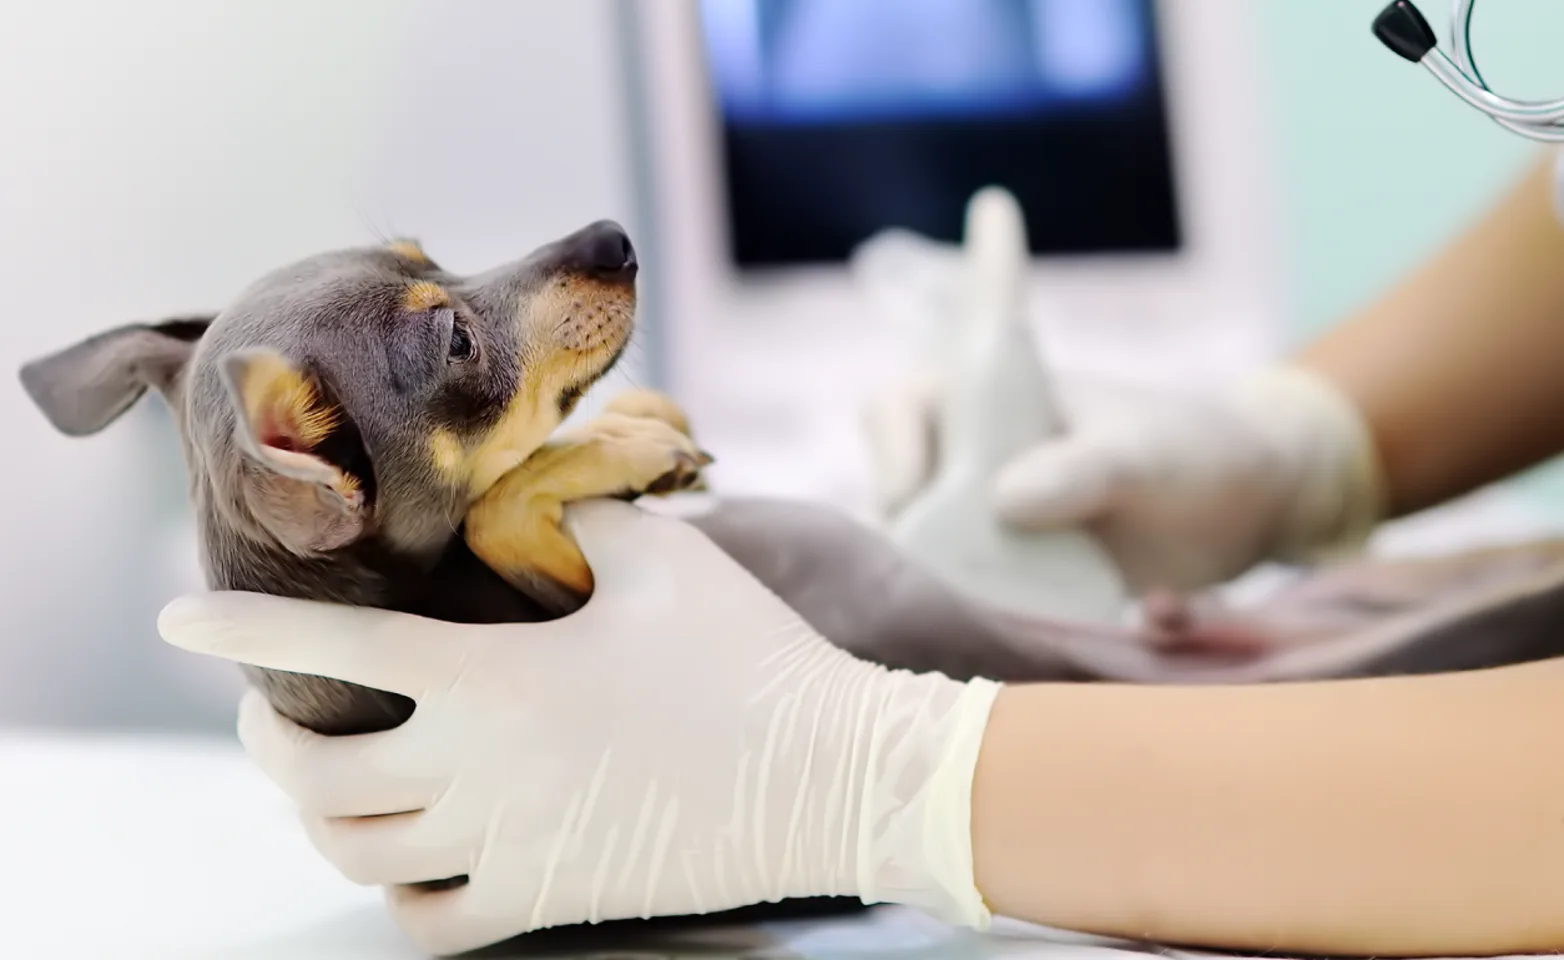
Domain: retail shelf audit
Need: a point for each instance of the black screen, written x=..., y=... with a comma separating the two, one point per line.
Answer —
x=840, y=118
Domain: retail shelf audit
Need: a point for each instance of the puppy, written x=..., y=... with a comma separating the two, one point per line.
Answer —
x=365, y=427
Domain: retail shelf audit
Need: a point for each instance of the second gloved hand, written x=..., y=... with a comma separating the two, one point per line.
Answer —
x=683, y=744
x=1185, y=490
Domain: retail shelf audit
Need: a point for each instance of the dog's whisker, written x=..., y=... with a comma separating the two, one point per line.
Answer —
x=382, y=236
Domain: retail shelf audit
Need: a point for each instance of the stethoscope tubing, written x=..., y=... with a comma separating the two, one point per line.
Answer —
x=1534, y=119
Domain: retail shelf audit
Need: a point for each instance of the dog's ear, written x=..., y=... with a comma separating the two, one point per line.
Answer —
x=293, y=433
x=84, y=388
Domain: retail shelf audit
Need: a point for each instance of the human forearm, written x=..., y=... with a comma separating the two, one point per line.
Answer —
x=1456, y=369
x=1391, y=817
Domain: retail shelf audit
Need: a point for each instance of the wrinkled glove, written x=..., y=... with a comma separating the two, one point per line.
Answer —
x=1185, y=490
x=683, y=744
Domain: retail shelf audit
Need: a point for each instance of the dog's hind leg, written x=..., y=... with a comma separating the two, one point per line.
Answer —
x=639, y=445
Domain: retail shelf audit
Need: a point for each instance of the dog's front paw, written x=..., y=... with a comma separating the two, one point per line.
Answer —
x=633, y=455
x=651, y=405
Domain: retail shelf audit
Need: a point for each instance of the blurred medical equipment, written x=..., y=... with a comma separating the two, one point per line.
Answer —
x=998, y=403
x=1402, y=28
x=1133, y=139
x=1184, y=487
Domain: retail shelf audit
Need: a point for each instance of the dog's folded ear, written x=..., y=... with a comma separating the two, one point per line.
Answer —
x=84, y=388
x=295, y=439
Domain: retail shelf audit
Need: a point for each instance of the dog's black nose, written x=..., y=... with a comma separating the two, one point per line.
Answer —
x=603, y=250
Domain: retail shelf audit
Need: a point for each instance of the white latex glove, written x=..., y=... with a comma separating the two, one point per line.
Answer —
x=1185, y=490
x=684, y=744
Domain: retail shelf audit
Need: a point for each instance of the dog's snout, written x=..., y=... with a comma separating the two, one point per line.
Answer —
x=604, y=251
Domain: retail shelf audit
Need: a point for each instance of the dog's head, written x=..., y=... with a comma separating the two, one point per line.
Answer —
x=365, y=390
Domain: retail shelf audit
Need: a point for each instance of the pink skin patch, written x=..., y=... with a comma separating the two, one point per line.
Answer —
x=1196, y=626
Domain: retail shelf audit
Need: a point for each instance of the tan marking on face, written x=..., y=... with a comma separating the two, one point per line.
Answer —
x=280, y=400
x=522, y=429
x=572, y=328
x=409, y=249
x=533, y=414
x=424, y=295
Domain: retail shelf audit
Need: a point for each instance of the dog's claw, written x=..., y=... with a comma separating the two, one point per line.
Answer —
x=685, y=474
x=667, y=483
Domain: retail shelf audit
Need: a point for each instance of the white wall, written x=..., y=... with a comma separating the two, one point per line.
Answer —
x=155, y=156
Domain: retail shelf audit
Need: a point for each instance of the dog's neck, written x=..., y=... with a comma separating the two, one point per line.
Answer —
x=238, y=552
x=453, y=584
x=360, y=575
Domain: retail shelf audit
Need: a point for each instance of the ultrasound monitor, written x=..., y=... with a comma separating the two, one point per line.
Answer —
x=839, y=119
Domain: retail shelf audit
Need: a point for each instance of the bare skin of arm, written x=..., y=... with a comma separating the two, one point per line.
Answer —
x=1386, y=817
x=1459, y=369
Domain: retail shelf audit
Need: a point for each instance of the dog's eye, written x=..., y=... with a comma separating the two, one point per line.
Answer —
x=462, y=348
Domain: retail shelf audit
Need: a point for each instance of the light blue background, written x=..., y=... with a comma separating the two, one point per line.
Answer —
x=1370, y=190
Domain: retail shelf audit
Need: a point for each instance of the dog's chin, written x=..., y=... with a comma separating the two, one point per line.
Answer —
x=592, y=366
x=609, y=359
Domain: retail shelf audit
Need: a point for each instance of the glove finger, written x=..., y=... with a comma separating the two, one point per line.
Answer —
x=630, y=549
x=900, y=426
x=395, y=652
x=1059, y=484
x=997, y=254
x=641, y=562
x=404, y=848
x=355, y=776
x=448, y=922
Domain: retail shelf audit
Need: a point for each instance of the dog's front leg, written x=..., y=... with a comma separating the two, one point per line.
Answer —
x=640, y=445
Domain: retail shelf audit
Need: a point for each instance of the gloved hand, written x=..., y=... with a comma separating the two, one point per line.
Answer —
x=683, y=744
x=1185, y=490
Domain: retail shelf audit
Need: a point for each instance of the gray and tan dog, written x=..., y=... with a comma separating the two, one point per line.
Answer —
x=349, y=415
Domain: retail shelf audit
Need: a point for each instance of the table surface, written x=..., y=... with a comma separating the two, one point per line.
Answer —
x=178, y=849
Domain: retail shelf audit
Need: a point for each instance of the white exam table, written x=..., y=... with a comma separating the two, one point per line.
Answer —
x=167, y=848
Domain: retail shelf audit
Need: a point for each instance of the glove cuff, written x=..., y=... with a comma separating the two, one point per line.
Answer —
x=1337, y=498
x=915, y=837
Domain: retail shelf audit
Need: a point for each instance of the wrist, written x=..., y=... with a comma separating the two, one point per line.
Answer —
x=921, y=746
x=1335, y=495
